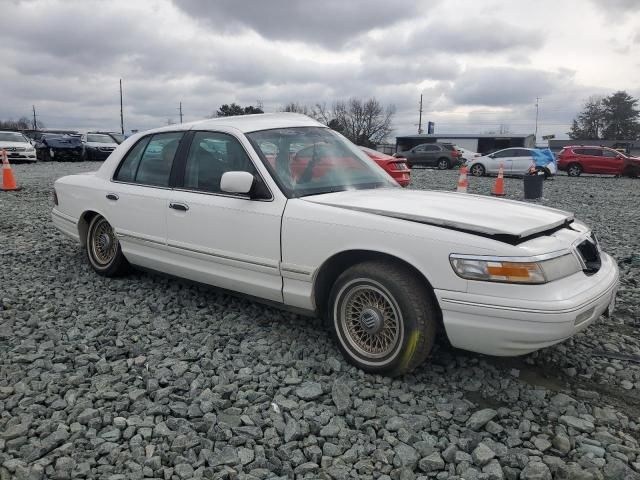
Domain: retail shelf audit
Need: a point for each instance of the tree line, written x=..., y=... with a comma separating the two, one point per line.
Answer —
x=365, y=122
x=23, y=123
x=615, y=117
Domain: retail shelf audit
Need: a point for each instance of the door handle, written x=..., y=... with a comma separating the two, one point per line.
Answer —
x=112, y=196
x=179, y=206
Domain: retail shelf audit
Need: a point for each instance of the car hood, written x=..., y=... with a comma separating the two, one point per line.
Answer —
x=505, y=219
x=14, y=144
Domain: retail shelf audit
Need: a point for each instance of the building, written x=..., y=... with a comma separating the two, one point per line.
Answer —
x=481, y=143
x=631, y=147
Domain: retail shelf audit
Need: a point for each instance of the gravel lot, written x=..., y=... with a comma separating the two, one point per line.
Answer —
x=147, y=376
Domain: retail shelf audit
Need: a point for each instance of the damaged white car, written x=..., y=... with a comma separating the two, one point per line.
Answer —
x=281, y=208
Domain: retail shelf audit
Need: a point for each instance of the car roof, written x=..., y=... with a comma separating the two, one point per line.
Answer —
x=247, y=123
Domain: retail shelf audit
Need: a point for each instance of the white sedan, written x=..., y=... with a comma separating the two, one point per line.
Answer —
x=514, y=161
x=284, y=209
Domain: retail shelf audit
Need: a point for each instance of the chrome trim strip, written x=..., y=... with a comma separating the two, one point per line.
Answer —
x=226, y=195
x=62, y=216
x=492, y=258
x=136, y=237
x=294, y=270
x=225, y=257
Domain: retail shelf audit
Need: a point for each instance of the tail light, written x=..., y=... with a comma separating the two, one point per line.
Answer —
x=399, y=166
x=456, y=153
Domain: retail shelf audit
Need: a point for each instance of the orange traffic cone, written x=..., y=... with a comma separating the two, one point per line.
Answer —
x=463, y=182
x=8, y=180
x=498, y=188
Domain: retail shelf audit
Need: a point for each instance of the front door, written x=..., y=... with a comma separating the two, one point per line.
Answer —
x=522, y=161
x=137, y=199
x=612, y=162
x=227, y=240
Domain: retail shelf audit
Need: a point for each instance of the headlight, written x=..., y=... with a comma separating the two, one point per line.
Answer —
x=532, y=270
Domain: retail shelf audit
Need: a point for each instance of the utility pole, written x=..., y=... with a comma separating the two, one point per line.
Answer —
x=180, y=112
x=537, y=109
x=121, y=115
x=420, y=117
x=35, y=123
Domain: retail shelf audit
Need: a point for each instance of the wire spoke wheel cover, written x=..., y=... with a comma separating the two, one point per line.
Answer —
x=103, y=243
x=370, y=321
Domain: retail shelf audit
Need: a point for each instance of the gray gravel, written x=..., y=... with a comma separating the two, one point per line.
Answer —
x=151, y=377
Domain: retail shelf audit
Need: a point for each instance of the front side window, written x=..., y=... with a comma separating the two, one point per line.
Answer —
x=314, y=160
x=210, y=155
x=149, y=161
x=503, y=154
x=610, y=154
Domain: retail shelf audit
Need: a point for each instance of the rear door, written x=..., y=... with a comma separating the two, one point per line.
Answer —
x=138, y=197
x=431, y=155
x=521, y=161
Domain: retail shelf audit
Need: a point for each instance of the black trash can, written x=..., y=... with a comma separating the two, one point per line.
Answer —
x=533, y=186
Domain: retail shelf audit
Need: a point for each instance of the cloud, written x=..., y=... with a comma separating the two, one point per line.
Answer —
x=330, y=23
x=499, y=86
x=617, y=6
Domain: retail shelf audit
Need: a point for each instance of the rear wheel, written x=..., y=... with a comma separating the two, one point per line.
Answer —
x=443, y=164
x=103, y=249
x=383, y=317
x=477, y=170
x=574, y=170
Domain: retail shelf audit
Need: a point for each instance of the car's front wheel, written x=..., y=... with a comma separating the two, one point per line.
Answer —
x=103, y=249
x=574, y=170
x=477, y=170
x=383, y=317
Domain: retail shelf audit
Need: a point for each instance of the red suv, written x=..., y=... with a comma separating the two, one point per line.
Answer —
x=576, y=160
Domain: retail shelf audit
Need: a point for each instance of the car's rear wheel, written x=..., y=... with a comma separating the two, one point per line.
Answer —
x=443, y=164
x=103, y=249
x=383, y=317
x=574, y=170
x=477, y=170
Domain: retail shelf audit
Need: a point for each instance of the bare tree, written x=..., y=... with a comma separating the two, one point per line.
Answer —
x=364, y=122
x=22, y=123
x=321, y=113
x=295, y=107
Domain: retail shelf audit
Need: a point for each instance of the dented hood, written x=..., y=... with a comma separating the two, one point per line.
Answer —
x=471, y=213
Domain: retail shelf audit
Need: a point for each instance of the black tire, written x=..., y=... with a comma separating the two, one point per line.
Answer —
x=104, y=257
x=477, y=170
x=574, y=170
x=443, y=164
x=409, y=310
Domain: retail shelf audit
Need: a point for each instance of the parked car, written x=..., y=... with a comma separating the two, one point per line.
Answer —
x=98, y=146
x=395, y=166
x=440, y=155
x=62, y=148
x=514, y=161
x=579, y=159
x=17, y=146
x=117, y=137
x=387, y=267
x=467, y=155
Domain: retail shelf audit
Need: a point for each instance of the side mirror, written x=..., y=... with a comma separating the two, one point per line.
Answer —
x=236, y=182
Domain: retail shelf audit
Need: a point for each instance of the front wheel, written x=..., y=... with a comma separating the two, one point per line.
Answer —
x=103, y=249
x=383, y=317
x=443, y=164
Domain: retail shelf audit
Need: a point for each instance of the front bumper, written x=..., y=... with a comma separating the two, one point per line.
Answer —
x=505, y=326
x=97, y=154
x=22, y=157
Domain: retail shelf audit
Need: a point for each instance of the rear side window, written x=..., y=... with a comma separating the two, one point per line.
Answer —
x=150, y=164
x=431, y=148
x=451, y=148
x=127, y=170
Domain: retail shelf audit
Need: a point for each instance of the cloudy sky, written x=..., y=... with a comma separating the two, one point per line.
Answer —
x=478, y=63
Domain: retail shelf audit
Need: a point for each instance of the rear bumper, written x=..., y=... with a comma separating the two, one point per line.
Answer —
x=499, y=326
x=66, y=224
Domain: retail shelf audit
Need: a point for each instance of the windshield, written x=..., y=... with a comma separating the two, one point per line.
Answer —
x=12, y=137
x=313, y=160
x=100, y=139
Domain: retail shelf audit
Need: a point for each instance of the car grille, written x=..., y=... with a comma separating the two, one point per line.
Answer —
x=13, y=149
x=589, y=254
